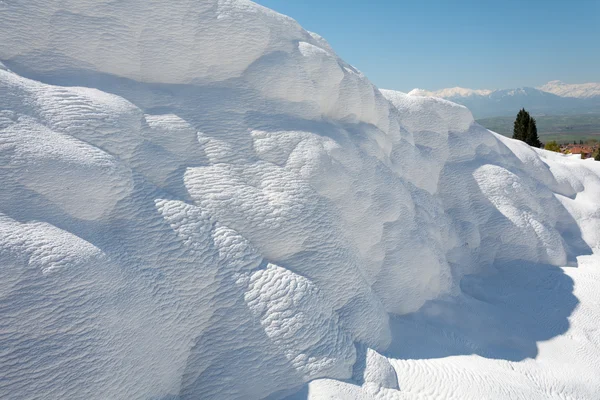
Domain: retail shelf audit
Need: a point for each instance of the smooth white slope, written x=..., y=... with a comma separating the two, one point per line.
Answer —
x=441, y=357
x=238, y=212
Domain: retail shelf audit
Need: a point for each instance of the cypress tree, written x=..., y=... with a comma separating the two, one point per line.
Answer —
x=525, y=129
x=520, y=125
x=532, y=137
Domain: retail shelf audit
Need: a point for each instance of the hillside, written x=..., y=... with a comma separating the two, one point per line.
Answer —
x=564, y=128
x=201, y=200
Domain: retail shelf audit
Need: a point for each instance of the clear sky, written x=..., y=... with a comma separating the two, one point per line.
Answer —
x=434, y=44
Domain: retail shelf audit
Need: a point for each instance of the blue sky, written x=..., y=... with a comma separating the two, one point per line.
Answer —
x=485, y=44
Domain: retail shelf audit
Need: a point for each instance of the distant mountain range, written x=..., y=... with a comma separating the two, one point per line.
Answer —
x=553, y=98
x=577, y=90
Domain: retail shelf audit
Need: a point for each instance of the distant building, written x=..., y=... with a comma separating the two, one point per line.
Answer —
x=586, y=151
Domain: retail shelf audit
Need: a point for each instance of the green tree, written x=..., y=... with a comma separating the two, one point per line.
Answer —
x=597, y=156
x=532, y=137
x=520, y=125
x=552, y=146
x=525, y=129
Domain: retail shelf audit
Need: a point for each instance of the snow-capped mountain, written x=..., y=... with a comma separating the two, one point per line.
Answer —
x=577, y=90
x=455, y=92
x=201, y=200
x=552, y=98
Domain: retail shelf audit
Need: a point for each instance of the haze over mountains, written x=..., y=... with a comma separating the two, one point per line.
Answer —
x=553, y=98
